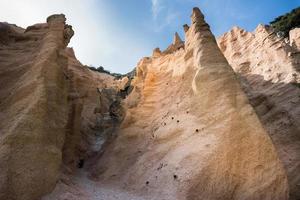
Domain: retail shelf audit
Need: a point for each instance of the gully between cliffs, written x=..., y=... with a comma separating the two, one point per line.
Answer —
x=180, y=128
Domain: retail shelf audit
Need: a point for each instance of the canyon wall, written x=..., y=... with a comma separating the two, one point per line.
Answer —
x=52, y=112
x=189, y=131
x=185, y=131
x=33, y=92
x=92, y=96
x=268, y=69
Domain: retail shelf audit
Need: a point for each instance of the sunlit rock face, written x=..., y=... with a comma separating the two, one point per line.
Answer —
x=179, y=127
x=51, y=108
x=189, y=131
x=268, y=70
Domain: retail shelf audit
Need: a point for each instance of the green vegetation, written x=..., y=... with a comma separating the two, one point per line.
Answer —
x=283, y=24
x=101, y=69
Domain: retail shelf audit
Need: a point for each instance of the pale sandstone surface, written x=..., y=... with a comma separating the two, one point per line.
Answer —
x=48, y=104
x=295, y=38
x=269, y=73
x=33, y=108
x=187, y=130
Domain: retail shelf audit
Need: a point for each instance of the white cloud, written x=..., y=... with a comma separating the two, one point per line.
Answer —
x=156, y=8
x=98, y=39
x=163, y=14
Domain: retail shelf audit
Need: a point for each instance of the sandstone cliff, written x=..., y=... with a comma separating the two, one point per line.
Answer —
x=185, y=131
x=33, y=93
x=295, y=38
x=269, y=73
x=50, y=107
x=189, y=132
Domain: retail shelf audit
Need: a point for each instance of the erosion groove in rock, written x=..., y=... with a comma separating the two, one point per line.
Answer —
x=159, y=154
x=268, y=68
x=33, y=106
x=178, y=127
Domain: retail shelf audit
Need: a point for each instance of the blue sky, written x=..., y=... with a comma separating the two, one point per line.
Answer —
x=117, y=33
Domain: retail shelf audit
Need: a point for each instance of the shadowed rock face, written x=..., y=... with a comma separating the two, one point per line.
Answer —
x=33, y=96
x=50, y=108
x=94, y=104
x=174, y=95
x=268, y=68
x=182, y=128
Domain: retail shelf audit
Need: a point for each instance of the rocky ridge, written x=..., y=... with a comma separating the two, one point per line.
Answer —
x=269, y=72
x=182, y=128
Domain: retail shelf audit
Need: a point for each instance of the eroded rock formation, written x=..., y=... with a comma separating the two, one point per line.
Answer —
x=268, y=68
x=180, y=128
x=50, y=108
x=33, y=92
x=295, y=38
x=189, y=131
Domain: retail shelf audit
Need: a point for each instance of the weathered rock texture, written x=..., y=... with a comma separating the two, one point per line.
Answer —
x=189, y=131
x=295, y=38
x=51, y=108
x=184, y=128
x=92, y=97
x=33, y=104
x=269, y=73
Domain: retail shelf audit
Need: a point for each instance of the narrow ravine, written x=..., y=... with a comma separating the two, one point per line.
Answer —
x=178, y=127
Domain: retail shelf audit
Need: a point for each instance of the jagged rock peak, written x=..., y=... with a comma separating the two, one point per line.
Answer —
x=56, y=18
x=176, y=45
x=198, y=21
x=197, y=15
x=261, y=28
x=68, y=33
x=156, y=52
x=237, y=29
x=177, y=39
x=203, y=41
x=59, y=20
x=186, y=28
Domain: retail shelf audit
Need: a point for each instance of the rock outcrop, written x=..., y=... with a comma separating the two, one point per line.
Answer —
x=295, y=38
x=268, y=69
x=51, y=108
x=178, y=127
x=189, y=131
x=33, y=96
x=94, y=111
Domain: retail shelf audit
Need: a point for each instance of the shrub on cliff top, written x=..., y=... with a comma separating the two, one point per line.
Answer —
x=101, y=69
x=283, y=24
